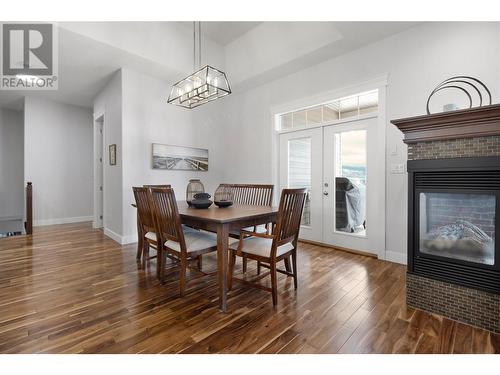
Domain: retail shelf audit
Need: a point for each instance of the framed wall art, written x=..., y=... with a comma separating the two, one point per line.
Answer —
x=179, y=158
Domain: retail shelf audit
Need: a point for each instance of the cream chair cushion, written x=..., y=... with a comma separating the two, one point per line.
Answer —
x=262, y=246
x=152, y=235
x=196, y=240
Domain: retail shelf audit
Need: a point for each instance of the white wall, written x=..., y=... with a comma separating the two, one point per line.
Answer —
x=109, y=103
x=273, y=45
x=58, y=160
x=415, y=60
x=11, y=164
x=147, y=119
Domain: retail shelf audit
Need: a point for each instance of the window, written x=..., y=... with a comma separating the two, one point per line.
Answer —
x=348, y=107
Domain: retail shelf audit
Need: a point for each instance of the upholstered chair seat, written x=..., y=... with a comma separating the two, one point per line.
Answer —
x=262, y=247
x=196, y=240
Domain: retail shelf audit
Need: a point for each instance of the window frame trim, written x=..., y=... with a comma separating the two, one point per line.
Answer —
x=334, y=122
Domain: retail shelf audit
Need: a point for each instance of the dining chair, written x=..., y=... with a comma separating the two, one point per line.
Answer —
x=252, y=195
x=200, y=261
x=269, y=249
x=140, y=232
x=176, y=240
x=145, y=223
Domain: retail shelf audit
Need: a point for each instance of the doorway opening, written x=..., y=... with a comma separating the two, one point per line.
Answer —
x=12, y=187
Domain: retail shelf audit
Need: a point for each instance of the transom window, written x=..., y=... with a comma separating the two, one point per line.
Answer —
x=352, y=106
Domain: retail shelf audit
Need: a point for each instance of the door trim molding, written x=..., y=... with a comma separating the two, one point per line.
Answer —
x=96, y=187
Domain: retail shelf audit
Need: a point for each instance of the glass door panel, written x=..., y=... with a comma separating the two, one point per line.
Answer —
x=301, y=167
x=299, y=171
x=350, y=182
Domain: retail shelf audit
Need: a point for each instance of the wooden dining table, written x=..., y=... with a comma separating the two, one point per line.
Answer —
x=223, y=221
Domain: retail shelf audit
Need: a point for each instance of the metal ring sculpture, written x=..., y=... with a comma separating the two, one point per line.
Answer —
x=452, y=83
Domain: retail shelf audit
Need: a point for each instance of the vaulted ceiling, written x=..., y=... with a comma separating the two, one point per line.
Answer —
x=251, y=53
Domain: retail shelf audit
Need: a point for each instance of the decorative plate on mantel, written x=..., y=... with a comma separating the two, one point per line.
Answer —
x=463, y=123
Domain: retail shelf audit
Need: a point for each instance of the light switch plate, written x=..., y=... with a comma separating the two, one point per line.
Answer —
x=394, y=150
x=397, y=168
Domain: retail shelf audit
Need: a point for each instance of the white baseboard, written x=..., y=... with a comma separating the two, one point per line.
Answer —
x=132, y=238
x=114, y=236
x=396, y=257
x=8, y=218
x=63, y=220
x=96, y=225
x=122, y=240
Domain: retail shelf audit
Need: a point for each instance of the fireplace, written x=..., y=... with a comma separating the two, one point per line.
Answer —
x=453, y=263
x=453, y=216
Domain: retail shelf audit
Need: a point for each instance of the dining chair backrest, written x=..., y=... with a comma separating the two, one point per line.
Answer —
x=289, y=215
x=156, y=186
x=144, y=208
x=250, y=194
x=166, y=213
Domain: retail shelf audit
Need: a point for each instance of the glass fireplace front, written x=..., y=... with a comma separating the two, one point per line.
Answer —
x=459, y=226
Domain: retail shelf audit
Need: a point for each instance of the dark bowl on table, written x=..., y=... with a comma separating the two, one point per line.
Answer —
x=201, y=200
x=201, y=203
x=222, y=204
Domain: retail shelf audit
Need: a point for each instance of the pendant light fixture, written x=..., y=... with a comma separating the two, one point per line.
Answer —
x=204, y=85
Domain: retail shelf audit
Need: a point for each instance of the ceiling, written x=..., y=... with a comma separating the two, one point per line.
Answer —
x=83, y=75
x=224, y=33
x=86, y=63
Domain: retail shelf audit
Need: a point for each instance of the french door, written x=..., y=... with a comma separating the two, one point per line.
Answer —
x=351, y=186
x=338, y=166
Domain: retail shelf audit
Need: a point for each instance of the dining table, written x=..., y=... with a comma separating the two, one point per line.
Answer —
x=222, y=221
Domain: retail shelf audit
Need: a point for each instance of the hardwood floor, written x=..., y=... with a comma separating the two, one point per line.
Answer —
x=70, y=289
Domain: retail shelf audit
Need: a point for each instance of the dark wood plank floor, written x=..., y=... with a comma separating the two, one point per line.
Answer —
x=70, y=289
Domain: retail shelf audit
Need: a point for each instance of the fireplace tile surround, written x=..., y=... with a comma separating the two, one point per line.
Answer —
x=455, y=148
x=467, y=305
x=472, y=133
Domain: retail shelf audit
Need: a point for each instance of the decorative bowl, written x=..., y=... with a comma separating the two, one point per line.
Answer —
x=201, y=203
x=222, y=204
x=201, y=200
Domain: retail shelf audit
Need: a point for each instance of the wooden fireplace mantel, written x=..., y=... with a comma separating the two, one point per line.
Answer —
x=464, y=123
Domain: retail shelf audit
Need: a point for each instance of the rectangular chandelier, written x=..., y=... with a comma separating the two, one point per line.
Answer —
x=201, y=87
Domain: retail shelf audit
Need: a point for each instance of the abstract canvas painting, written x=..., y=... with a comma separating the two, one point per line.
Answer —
x=179, y=158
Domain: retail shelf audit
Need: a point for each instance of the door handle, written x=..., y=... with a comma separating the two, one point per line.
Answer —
x=325, y=193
